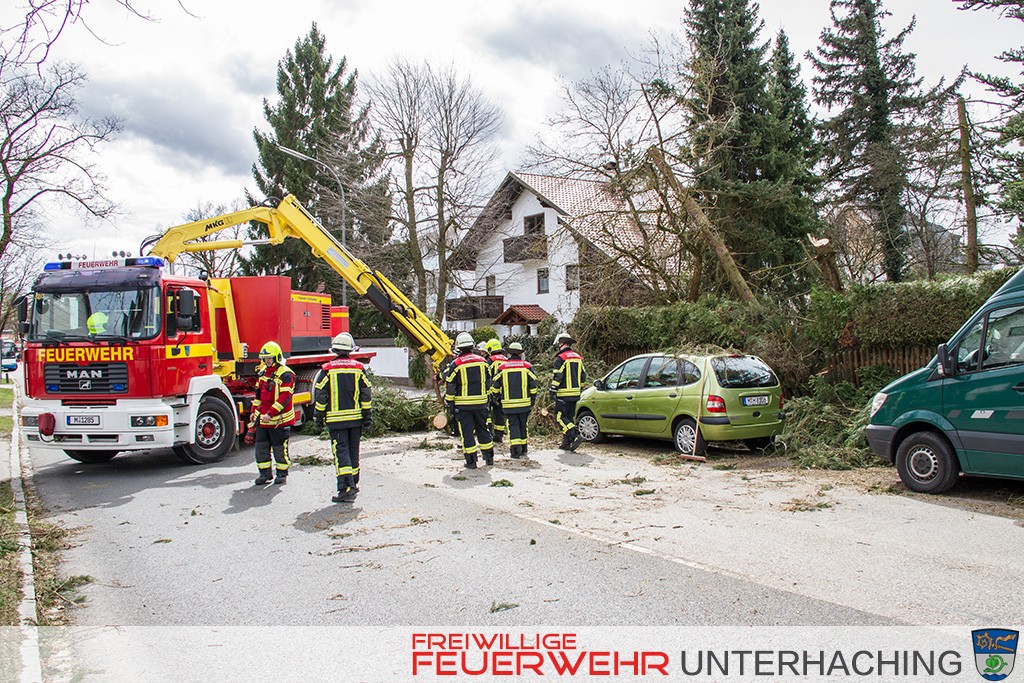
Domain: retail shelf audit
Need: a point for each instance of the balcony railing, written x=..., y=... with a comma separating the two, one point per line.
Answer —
x=474, y=307
x=525, y=247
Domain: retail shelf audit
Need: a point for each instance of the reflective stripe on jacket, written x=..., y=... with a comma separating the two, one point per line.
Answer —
x=342, y=392
x=467, y=381
x=273, y=399
x=569, y=375
x=515, y=383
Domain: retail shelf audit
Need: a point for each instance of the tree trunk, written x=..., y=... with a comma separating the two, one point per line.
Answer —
x=442, y=243
x=413, y=228
x=967, y=178
x=826, y=257
x=707, y=229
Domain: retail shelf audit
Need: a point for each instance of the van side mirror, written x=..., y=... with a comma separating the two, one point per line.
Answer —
x=945, y=366
x=23, y=323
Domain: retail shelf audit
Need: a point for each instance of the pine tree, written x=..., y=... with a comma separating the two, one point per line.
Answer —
x=870, y=83
x=744, y=124
x=317, y=114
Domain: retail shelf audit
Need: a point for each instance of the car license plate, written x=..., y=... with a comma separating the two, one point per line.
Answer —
x=83, y=420
x=755, y=400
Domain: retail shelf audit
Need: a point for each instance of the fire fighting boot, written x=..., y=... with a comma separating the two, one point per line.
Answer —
x=516, y=451
x=489, y=456
x=471, y=462
x=522, y=450
x=566, y=440
x=264, y=478
x=281, y=478
x=346, y=496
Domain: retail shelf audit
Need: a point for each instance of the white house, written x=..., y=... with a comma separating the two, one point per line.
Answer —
x=522, y=256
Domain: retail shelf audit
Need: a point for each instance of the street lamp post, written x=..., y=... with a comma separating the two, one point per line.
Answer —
x=341, y=188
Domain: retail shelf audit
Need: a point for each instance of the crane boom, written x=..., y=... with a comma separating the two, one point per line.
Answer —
x=290, y=219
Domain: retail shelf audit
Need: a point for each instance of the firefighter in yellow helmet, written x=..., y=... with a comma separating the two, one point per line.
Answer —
x=342, y=399
x=97, y=323
x=566, y=384
x=495, y=357
x=514, y=384
x=272, y=414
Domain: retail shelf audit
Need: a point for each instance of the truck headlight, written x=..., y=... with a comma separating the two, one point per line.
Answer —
x=877, y=402
x=29, y=420
x=149, y=420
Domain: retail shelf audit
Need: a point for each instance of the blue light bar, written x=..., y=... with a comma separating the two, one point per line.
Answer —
x=57, y=265
x=152, y=261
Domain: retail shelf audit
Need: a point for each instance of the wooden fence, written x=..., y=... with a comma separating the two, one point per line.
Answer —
x=843, y=366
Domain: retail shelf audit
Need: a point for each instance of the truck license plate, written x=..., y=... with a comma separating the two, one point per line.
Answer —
x=755, y=400
x=83, y=420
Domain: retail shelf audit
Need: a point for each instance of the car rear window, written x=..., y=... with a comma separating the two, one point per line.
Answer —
x=743, y=372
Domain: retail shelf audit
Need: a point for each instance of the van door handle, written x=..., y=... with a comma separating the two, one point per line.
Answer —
x=1019, y=387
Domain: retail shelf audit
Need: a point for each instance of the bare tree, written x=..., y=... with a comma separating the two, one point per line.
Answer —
x=222, y=262
x=18, y=268
x=46, y=148
x=439, y=130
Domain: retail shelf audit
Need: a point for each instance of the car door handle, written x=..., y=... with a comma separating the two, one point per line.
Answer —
x=1019, y=387
x=629, y=398
x=673, y=395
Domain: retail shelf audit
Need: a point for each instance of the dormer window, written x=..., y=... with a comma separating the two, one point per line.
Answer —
x=533, y=225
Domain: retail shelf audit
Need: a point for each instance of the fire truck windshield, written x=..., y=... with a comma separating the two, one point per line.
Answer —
x=96, y=315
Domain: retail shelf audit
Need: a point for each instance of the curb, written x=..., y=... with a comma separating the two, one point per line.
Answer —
x=31, y=663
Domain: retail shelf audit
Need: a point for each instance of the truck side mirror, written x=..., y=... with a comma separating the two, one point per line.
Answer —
x=23, y=323
x=945, y=366
x=186, y=303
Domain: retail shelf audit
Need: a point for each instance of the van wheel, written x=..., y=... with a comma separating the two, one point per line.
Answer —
x=683, y=436
x=91, y=457
x=214, y=435
x=589, y=428
x=926, y=463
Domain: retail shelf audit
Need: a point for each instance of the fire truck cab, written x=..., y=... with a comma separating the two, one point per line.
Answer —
x=119, y=357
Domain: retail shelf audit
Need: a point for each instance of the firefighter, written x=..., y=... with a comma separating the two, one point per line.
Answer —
x=466, y=386
x=515, y=387
x=342, y=399
x=272, y=414
x=495, y=357
x=566, y=384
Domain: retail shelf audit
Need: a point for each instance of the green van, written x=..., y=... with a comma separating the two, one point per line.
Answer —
x=964, y=411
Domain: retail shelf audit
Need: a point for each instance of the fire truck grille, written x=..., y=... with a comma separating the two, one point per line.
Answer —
x=95, y=378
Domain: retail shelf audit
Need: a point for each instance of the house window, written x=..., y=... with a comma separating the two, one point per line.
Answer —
x=534, y=225
x=543, y=286
x=489, y=285
x=572, y=277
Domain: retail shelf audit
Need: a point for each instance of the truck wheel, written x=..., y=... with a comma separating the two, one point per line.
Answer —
x=683, y=436
x=91, y=457
x=926, y=463
x=589, y=428
x=214, y=435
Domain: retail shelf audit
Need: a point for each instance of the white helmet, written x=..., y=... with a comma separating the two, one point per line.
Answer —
x=564, y=338
x=343, y=342
x=464, y=340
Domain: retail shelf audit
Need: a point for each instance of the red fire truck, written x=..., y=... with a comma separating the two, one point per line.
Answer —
x=122, y=355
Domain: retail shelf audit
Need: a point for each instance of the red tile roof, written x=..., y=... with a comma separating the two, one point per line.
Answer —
x=521, y=314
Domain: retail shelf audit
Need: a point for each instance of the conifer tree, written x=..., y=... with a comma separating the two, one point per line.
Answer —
x=744, y=123
x=869, y=85
x=317, y=115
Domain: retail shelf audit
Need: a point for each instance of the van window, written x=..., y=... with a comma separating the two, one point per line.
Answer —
x=1004, y=338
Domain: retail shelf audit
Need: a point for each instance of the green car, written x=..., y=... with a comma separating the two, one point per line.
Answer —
x=659, y=396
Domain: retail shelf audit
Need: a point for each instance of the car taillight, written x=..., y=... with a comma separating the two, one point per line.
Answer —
x=47, y=424
x=781, y=400
x=715, y=404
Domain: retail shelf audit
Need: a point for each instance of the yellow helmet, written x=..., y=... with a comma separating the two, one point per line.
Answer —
x=493, y=345
x=97, y=322
x=271, y=353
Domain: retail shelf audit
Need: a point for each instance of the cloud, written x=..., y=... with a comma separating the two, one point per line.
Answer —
x=574, y=44
x=195, y=126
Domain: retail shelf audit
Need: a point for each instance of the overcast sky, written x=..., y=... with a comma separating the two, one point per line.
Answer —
x=190, y=88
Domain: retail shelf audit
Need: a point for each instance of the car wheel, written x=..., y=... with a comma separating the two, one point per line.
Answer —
x=760, y=443
x=214, y=435
x=683, y=436
x=91, y=457
x=589, y=428
x=926, y=463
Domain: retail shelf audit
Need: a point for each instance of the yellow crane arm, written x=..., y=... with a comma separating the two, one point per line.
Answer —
x=290, y=219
